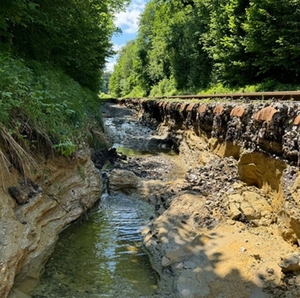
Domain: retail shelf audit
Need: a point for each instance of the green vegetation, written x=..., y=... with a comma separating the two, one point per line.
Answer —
x=41, y=105
x=52, y=56
x=203, y=46
x=71, y=34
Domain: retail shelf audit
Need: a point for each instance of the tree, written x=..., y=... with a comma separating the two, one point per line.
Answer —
x=194, y=44
x=224, y=42
x=72, y=34
x=106, y=77
x=123, y=79
x=146, y=35
x=272, y=36
x=169, y=47
x=190, y=64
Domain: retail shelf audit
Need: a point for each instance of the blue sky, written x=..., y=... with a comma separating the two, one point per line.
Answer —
x=128, y=22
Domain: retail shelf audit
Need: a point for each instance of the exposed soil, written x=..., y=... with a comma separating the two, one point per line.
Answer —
x=213, y=235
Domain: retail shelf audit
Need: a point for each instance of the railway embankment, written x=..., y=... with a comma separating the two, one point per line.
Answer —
x=270, y=127
x=232, y=226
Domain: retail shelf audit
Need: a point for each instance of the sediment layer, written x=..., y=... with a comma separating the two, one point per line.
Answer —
x=232, y=226
x=35, y=210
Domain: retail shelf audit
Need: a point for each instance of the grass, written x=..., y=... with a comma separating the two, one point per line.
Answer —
x=41, y=106
x=167, y=87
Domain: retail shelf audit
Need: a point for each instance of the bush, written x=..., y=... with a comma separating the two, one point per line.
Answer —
x=137, y=91
x=41, y=104
x=166, y=87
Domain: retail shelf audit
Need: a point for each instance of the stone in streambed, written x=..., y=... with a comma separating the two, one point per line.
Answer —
x=123, y=181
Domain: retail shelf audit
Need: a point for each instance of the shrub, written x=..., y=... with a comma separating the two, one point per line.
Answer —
x=40, y=104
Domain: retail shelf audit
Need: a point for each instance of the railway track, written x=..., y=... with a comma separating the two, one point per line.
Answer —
x=279, y=95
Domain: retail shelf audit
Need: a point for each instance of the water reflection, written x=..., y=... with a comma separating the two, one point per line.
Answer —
x=102, y=257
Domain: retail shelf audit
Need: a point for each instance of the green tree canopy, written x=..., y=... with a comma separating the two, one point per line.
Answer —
x=124, y=78
x=72, y=34
x=272, y=37
x=191, y=45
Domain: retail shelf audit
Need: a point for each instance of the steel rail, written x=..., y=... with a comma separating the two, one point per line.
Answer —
x=278, y=95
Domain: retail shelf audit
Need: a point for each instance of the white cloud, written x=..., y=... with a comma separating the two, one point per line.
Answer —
x=117, y=47
x=109, y=66
x=128, y=20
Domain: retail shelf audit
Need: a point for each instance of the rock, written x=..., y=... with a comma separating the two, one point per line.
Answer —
x=237, y=111
x=104, y=157
x=18, y=294
x=265, y=114
x=218, y=109
x=235, y=212
x=202, y=109
x=223, y=201
x=123, y=181
x=27, y=231
x=193, y=284
x=243, y=249
x=297, y=281
x=261, y=171
x=18, y=194
x=290, y=263
x=297, y=120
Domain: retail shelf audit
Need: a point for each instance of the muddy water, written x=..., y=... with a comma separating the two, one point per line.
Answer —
x=102, y=257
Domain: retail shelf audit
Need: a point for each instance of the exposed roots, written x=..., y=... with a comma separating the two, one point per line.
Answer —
x=20, y=158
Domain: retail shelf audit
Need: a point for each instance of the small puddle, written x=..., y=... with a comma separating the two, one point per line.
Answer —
x=103, y=256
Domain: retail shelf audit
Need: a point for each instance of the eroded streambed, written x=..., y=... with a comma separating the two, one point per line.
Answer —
x=213, y=233
x=103, y=255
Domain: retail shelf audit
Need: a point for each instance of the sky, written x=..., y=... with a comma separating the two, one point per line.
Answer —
x=128, y=22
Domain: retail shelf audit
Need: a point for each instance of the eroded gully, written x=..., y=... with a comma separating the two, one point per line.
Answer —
x=103, y=255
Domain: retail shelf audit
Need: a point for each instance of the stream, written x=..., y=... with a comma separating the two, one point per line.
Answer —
x=103, y=256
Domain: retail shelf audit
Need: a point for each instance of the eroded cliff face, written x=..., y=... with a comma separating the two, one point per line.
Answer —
x=262, y=136
x=267, y=127
x=58, y=193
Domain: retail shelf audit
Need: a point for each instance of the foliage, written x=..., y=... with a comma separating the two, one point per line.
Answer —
x=165, y=87
x=265, y=85
x=123, y=79
x=204, y=44
x=105, y=83
x=272, y=37
x=190, y=64
x=39, y=104
x=223, y=41
x=104, y=96
x=48, y=98
x=65, y=147
x=167, y=48
x=71, y=34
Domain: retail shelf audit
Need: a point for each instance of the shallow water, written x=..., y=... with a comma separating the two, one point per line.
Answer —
x=103, y=256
